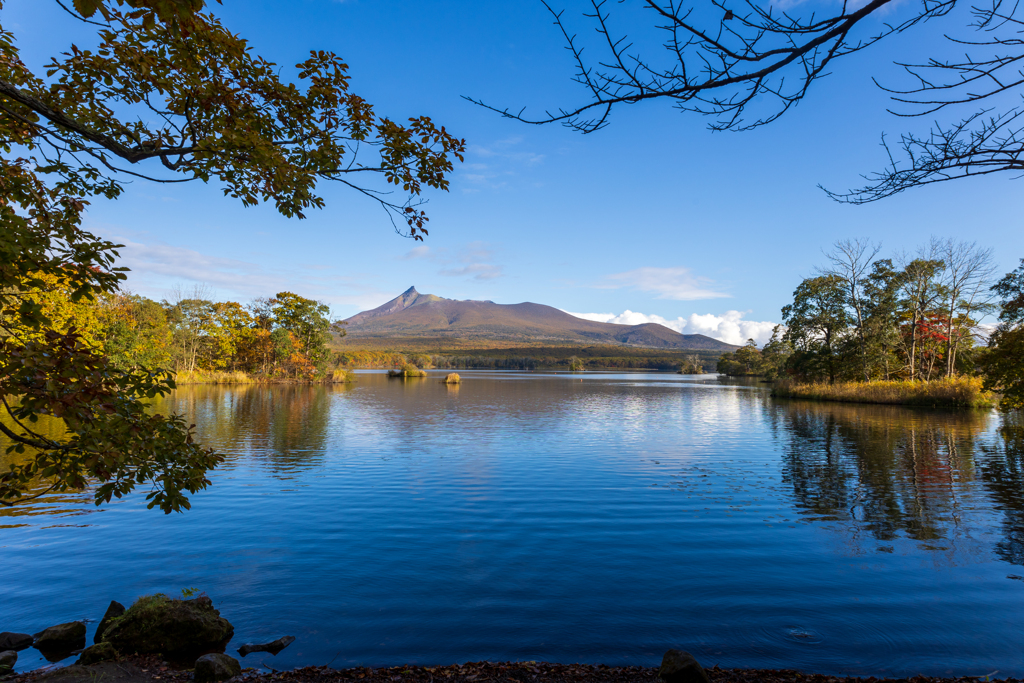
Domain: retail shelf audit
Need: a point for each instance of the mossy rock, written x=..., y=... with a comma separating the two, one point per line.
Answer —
x=101, y=652
x=158, y=624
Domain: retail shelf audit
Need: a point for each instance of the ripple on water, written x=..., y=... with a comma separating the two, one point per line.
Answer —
x=532, y=517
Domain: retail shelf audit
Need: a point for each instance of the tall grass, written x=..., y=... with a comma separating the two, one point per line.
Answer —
x=341, y=376
x=963, y=392
x=407, y=370
x=214, y=377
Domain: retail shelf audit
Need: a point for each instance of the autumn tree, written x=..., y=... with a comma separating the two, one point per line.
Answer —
x=1004, y=362
x=745, y=63
x=171, y=95
x=817, y=323
x=309, y=323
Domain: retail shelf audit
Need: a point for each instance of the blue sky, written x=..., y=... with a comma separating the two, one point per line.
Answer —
x=654, y=215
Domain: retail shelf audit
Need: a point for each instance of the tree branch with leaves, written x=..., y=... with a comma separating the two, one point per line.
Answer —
x=170, y=95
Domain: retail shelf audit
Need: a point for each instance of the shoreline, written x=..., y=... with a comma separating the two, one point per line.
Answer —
x=142, y=669
x=956, y=392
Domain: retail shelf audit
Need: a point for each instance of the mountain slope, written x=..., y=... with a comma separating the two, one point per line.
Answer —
x=412, y=315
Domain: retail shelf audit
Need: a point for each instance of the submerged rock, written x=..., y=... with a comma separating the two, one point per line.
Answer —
x=156, y=623
x=115, y=610
x=8, y=659
x=102, y=652
x=216, y=667
x=15, y=641
x=272, y=647
x=681, y=667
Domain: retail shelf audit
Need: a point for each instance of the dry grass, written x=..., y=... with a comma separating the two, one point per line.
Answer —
x=452, y=378
x=965, y=392
x=407, y=370
x=341, y=376
x=214, y=377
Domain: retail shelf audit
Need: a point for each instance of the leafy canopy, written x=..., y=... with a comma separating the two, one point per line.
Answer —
x=168, y=94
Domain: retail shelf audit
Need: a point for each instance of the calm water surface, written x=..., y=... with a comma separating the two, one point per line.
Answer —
x=538, y=516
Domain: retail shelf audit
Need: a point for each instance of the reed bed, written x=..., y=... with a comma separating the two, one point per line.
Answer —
x=214, y=377
x=961, y=392
x=407, y=370
x=341, y=376
x=452, y=378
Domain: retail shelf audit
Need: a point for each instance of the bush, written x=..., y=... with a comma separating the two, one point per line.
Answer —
x=407, y=370
x=341, y=376
x=966, y=392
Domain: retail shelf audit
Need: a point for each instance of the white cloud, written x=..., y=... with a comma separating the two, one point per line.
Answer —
x=475, y=258
x=417, y=252
x=728, y=327
x=479, y=271
x=156, y=269
x=678, y=284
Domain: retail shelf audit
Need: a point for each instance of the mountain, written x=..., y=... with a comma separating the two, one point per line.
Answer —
x=415, y=315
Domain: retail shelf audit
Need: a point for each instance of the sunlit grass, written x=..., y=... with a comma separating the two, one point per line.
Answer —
x=964, y=392
x=407, y=370
x=214, y=377
x=341, y=376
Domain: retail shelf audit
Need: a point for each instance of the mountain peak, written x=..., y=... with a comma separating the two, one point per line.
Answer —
x=412, y=314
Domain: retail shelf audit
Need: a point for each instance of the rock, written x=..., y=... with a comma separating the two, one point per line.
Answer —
x=101, y=652
x=59, y=642
x=8, y=659
x=115, y=610
x=272, y=647
x=15, y=641
x=680, y=667
x=158, y=624
x=216, y=667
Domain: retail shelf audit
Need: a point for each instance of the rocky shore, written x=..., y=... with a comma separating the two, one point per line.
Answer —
x=154, y=670
x=165, y=640
x=189, y=633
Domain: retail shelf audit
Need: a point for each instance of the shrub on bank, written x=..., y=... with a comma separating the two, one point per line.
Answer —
x=965, y=392
x=341, y=376
x=407, y=370
x=214, y=377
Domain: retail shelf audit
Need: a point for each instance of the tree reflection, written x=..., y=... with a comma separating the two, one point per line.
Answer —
x=285, y=426
x=1001, y=468
x=900, y=473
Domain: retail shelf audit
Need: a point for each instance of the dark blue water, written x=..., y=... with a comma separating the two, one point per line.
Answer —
x=529, y=516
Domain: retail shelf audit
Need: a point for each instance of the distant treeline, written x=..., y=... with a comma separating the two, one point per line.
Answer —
x=520, y=358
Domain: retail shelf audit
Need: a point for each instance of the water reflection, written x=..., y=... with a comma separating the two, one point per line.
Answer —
x=1001, y=467
x=284, y=426
x=538, y=516
x=896, y=473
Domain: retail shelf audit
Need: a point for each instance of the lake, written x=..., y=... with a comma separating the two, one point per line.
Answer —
x=600, y=518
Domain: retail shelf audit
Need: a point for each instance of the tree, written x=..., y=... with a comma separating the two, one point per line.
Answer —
x=966, y=284
x=882, y=310
x=1004, y=362
x=817, y=322
x=775, y=354
x=920, y=291
x=171, y=95
x=745, y=63
x=850, y=261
